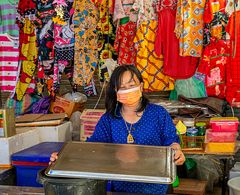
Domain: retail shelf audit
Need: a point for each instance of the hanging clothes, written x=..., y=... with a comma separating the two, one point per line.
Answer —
x=232, y=5
x=147, y=62
x=28, y=56
x=125, y=17
x=45, y=42
x=26, y=9
x=27, y=48
x=8, y=14
x=147, y=10
x=106, y=35
x=189, y=27
x=63, y=42
x=124, y=45
x=9, y=56
x=86, y=49
x=212, y=7
x=123, y=9
x=213, y=66
x=167, y=44
x=233, y=67
x=215, y=20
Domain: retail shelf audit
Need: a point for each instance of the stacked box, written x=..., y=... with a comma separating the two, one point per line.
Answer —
x=222, y=135
x=89, y=119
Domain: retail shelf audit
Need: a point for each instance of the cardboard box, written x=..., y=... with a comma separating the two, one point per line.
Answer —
x=32, y=120
x=89, y=119
x=7, y=122
x=62, y=105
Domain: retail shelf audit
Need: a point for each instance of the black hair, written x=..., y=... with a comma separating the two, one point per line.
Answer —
x=114, y=85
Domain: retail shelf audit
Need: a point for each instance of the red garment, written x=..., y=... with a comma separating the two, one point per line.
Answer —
x=213, y=65
x=26, y=7
x=175, y=66
x=211, y=7
x=124, y=43
x=233, y=67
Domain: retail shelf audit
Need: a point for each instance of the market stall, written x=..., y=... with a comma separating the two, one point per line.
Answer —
x=64, y=67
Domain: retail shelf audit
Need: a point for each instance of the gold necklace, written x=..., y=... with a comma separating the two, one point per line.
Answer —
x=130, y=139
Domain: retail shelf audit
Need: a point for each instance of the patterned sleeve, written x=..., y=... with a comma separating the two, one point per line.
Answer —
x=169, y=134
x=102, y=131
x=179, y=19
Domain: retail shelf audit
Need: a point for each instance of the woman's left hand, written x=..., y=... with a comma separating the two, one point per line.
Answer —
x=179, y=156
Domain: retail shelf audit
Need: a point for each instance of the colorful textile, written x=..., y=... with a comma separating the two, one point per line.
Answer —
x=8, y=14
x=233, y=67
x=86, y=48
x=9, y=56
x=189, y=27
x=123, y=9
x=124, y=43
x=27, y=9
x=230, y=7
x=23, y=106
x=159, y=132
x=167, y=44
x=211, y=8
x=147, y=61
x=106, y=35
x=28, y=56
x=146, y=10
x=216, y=28
x=213, y=66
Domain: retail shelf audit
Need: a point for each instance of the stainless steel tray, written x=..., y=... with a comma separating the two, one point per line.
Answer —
x=121, y=162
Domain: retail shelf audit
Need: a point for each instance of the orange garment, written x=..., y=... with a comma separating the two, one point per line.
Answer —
x=189, y=27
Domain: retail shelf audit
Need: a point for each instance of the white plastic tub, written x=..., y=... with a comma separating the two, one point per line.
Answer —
x=234, y=186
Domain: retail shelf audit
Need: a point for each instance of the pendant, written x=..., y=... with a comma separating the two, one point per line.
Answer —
x=130, y=139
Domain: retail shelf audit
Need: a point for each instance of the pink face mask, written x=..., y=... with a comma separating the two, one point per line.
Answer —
x=129, y=96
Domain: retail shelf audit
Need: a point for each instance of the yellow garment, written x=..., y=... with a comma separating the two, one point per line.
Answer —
x=85, y=19
x=189, y=27
x=29, y=55
x=147, y=62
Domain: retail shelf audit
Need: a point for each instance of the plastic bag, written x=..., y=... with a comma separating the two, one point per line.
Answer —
x=76, y=97
x=209, y=169
x=191, y=88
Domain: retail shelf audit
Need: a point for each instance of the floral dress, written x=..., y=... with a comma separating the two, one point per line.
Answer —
x=85, y=21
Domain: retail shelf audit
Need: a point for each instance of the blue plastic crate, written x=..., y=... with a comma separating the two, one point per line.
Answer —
x=29, y=161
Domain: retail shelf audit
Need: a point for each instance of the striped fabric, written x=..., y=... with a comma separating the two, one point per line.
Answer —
x=8, y=13
x=9, y=54
x=147, y=61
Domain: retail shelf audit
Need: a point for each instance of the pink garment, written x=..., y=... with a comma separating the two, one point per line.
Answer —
x=167, y=44
x=124, y=8
x=9, y=55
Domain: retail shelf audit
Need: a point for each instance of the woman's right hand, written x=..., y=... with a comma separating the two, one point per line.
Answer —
x=53, y=158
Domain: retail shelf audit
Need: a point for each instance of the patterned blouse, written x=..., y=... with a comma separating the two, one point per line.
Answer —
x=189, y=27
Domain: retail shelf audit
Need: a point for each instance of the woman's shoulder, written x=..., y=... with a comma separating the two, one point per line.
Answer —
x=157, y=108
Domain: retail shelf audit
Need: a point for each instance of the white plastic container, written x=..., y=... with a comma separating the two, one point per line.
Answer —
x=234, y=186
x=235, y=171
